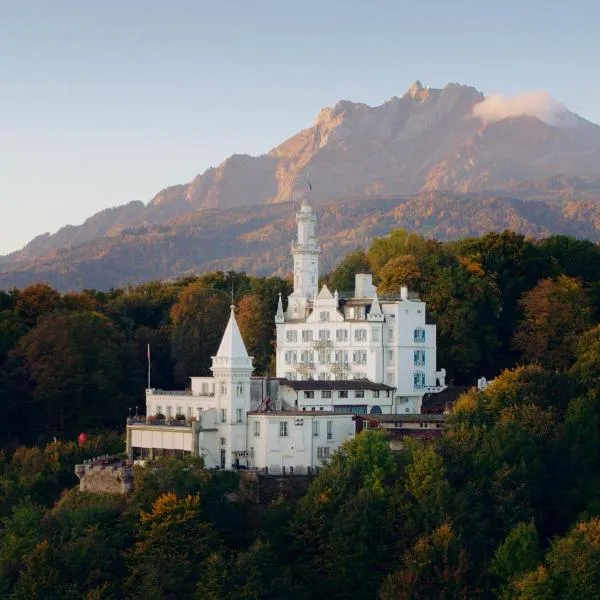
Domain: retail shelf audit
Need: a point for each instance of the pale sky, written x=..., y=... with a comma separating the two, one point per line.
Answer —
x=103, y=102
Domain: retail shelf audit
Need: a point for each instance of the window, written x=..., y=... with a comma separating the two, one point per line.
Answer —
x=375, y=393
x=359, y=357
x=324, y=335
x=256, y=428
x=222, y=441
x=189, y=412
x=419, y=335
x=223, y=415
x=343, y=393
x=423, y=425
x=360, y=335
x=159, y=410
x=324, y=315
x=290, y=375
x=341, y=357
x=356, y=409
x=307, y=357
x=359, y=375
x=223, y=388
x=239, y=389
x=291, y=335
x=359, y=394
x=205, y=389
x=419, y=358
x=390, y=355
x=323, y=451
x=359, y=312
x=390, y=335
x=323, y=357
x=419, y=380
x=316, y=428
x=238, y=415
x=323, y=376
x=283, y=429
x=375, y=334
x=169, y=411
x=307, y=335
x=326, y=394
x=329, y=430
x=341, y=335
x=291, y=357
x=310, y=394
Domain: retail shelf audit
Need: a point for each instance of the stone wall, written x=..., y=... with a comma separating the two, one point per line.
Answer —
x=105, y=479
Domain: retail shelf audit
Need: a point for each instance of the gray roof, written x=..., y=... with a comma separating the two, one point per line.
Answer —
x=335, y=385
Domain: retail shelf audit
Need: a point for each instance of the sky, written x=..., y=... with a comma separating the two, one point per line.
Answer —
x=106, y=102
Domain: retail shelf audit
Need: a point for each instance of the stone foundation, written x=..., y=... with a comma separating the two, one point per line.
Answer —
x=105, y=479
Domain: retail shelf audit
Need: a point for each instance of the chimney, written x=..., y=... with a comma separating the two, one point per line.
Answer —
x=363, y=285
x=404, y=292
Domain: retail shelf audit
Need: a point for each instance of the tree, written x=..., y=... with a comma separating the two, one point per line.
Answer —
x=199, y=318
x=255, y=323
x=80, y=372
x=36, y=301
x=518, y=554
x=571, y=571
x=172, y=546
x=342, y=277
x=556, y=312
x=434, y=568
x=399, y=271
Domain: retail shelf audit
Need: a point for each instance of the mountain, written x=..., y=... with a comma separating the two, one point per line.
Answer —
x=257, y=239
x=453, y=139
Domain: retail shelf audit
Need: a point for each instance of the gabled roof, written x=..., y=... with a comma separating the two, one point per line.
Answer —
x=232, y=344
x=325, y=294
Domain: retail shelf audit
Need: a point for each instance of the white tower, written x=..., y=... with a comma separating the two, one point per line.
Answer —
x=305, y=252
x=232, y=369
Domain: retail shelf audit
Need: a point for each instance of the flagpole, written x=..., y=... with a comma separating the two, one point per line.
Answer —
x=148, y=366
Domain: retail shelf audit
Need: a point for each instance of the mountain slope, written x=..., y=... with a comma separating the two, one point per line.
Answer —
x=426, y=140
x=257, y=239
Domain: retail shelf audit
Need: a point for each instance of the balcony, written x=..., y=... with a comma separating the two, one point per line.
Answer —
x=319, y=344
x=304, y=366
x=339, y=366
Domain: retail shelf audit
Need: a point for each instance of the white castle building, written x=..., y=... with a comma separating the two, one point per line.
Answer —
x=323, y=337
x=336, y=358
x=233, y=419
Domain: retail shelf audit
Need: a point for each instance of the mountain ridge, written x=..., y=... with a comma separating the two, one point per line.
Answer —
x=452, y=139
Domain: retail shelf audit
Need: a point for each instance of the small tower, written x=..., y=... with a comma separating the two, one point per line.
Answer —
x=279, y=315
x=232, y=369
x=305, y=252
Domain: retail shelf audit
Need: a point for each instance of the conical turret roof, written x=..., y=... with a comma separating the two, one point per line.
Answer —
x=232, y=344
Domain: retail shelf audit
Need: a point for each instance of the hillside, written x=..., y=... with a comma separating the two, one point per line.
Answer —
x=257, y=240
x=452, y=139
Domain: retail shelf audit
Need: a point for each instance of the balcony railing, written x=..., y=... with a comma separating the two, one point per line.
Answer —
x=305, y=366
x=321, y=344
x=339, y=366
x=166, y=422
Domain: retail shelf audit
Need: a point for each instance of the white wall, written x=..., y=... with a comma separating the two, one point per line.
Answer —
x=300, y=448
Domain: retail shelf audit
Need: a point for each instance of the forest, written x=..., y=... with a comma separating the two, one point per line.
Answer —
x=506, y=504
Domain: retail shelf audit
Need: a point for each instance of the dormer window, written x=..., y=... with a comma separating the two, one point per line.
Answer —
x=324, y=315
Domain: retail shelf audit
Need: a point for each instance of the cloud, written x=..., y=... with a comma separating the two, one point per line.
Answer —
x=528, y=104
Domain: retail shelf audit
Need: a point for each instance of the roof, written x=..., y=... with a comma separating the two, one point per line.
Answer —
x=439, y=401
x=232, y=344
x=298, y=413
x=334, y=385
x=404, y=418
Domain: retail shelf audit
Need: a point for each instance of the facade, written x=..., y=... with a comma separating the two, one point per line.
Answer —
x=324, y=337
x=235, y=420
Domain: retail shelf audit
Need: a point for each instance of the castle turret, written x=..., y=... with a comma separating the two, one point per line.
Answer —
x=232, y=369
x=305, y=252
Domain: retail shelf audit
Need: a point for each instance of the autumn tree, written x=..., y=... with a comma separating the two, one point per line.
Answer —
x=342, y=277
x=255, y=323
x=80, y=372
x=198, y=321
x=173, y=543
x=556, y=313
